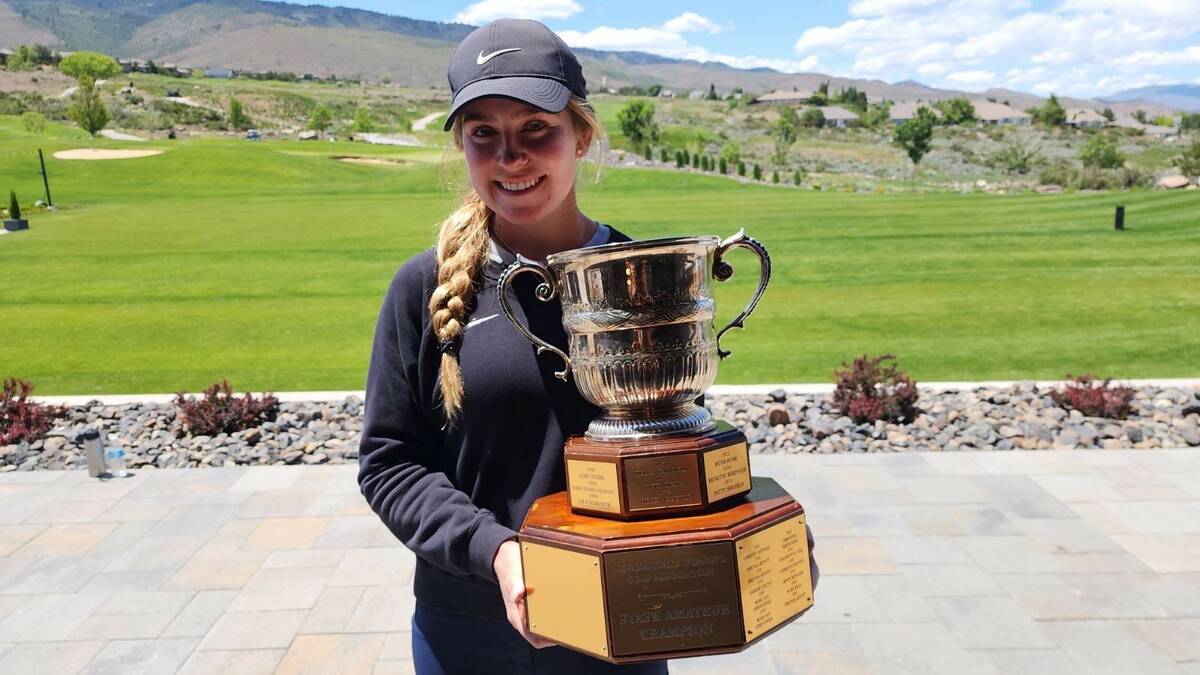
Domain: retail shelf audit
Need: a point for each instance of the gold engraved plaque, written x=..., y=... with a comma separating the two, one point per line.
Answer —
x=774, y=575
x=567, y=602
x=727, y=471
x=593, y=485
x=662, y=482
x=671, y=599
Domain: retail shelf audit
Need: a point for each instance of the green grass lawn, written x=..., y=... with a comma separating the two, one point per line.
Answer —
x=266, y=263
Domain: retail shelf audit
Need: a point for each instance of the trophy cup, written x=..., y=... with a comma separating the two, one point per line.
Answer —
x=663, y=545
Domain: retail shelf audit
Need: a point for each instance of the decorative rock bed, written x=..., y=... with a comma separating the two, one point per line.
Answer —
x=1019, y=417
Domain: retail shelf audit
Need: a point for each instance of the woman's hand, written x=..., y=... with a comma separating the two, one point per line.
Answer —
x=512, y=588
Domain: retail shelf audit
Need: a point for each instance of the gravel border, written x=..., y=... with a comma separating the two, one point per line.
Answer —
x=1018, y=416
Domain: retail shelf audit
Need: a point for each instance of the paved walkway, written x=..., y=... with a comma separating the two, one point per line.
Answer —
x=1022, y=562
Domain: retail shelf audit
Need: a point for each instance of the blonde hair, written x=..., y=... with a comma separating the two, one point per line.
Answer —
x=462, y=250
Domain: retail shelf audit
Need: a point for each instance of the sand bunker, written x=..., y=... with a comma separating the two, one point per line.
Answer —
x=100, y=153
x=376, y=161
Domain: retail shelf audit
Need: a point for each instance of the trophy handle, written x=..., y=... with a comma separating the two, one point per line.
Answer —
x=722, y=271
x=544, y=292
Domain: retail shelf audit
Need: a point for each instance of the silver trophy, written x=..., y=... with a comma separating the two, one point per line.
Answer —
x=639, y=319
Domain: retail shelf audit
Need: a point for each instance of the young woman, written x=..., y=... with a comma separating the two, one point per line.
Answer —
x=464, y=424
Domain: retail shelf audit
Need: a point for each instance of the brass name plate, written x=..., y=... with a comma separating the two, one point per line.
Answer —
x=662, y=482
x=566, y=598
x=674, y=598
x=593, y=485
x=727, y=471
x=774, y=576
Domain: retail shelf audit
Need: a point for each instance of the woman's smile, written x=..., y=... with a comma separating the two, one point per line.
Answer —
x=522, y=186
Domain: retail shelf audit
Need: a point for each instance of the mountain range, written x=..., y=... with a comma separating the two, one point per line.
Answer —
x=261, y=35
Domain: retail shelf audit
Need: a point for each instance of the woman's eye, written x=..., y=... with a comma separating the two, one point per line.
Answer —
x=536, y=125
x=481, y=132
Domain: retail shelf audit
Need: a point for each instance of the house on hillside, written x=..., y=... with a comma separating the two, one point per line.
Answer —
x=837, y=116
x=666, y=93
x=697, y=95
x=4, y=54
x=1083, y=118
x=1127, y=122
x=793, y=96
x=990, y=112
x=218, y=73
x=903, y=111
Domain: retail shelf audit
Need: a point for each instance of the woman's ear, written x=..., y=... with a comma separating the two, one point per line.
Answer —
x=583, y=142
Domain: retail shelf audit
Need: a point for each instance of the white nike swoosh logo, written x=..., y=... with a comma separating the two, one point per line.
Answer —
x=481, y=59
x=476, y=322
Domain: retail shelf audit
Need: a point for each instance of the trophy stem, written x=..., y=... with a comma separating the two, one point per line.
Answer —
x=619, y=424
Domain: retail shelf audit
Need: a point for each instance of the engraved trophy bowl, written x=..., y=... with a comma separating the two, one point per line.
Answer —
x=639, y=320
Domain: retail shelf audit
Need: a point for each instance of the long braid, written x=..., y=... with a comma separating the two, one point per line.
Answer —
x=462, y=249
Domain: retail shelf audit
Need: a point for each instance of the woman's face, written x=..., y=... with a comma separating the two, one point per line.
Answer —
x=521, y=160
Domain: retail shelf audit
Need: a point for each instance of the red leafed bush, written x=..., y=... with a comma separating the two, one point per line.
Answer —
x=1094, y=398
x=21, y=419
x=870, y=390
x=220, y=412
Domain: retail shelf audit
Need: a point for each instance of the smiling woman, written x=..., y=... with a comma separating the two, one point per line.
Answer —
x=464, y=425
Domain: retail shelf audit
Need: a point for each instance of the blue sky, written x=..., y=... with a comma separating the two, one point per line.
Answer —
x=1074, y=47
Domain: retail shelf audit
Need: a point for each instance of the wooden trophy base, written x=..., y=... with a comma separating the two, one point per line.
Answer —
x=657, y=477
x=651, y=590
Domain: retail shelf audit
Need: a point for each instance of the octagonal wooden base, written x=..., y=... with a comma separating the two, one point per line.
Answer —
x=649, y=590
x=657, y=477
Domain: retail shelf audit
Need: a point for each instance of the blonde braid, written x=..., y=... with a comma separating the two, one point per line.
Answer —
x=462, y=249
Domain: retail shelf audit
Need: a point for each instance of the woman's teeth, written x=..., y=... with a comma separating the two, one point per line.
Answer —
x=517, y=187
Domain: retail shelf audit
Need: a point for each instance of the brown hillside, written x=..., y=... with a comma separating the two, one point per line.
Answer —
x=15, y=31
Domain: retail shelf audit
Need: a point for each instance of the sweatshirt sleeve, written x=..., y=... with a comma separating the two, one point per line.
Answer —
x=399, y=449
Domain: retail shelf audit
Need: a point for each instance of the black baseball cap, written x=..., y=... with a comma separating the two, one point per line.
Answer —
x=518, y=59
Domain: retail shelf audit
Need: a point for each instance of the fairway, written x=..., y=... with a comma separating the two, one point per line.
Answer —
x=266, y=263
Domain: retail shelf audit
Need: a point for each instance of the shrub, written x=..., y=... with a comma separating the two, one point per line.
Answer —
x=1059, y=173
x=724, y=166
x=14, y=206
x=219, y=411
x=33, y=122
x=1015, y=157
x=637, y=122
x=1093, y=398
x=741, y=168
x=1188, y=161
x=21, y=419
x=1101, y=152
x=648, y=154
x=870, y=390
x=757, y=172
x=238, y=119
x=679, y=159
x=797, y=177
x=775, y=177
x=663, y=156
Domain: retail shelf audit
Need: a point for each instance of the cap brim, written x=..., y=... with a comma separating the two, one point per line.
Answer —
x=539, y=92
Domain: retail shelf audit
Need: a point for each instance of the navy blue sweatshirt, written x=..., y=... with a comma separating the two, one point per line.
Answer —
x=454, y=494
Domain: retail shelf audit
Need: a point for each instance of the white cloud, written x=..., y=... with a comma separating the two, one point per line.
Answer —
x=667, y=40
x=690, y=22
x=972, y=78
x=1074, y=47
x=489, y=10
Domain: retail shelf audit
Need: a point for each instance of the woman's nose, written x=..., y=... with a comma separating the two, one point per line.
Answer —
x=512, y=151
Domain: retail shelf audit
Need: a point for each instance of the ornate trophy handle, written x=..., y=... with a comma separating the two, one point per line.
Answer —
x=722, y=271
x=544, y=292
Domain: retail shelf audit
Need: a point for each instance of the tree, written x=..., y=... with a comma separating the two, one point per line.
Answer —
x=1140, y=116
x=649, y=153
x=687, y=159
x=238, y=119
x=712, y=93
x=797, y=177
x=723, y=166
x=813, y=118
x=775, y=177
x=92, y=65
x=1108, y=114
x=731, y=152
x=637, y=122
x=364, y=123
x=853, y=99
x=877, y=116
x=785, y=133
x=956, y=111
x=34, y=122
x=1189, y=160
x=14, y=206
x=757, y=172
x=1189, y=122
x=916, y=136
x=1102, y=153
x=741, y=168
x=1051, y=114
x=1164, y=121
x=679, y=160
x=320, y=118
x=662, y=156
x=696, y=161
x=86, y=109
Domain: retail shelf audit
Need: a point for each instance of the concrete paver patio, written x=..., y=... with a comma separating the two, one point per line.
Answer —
x=988, y=562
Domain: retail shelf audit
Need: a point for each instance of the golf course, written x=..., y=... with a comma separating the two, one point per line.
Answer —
x=265, y=263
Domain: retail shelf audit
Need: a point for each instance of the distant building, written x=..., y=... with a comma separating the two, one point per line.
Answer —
x=666, y=93
x=4, y=54
x=793, y=96
x=1126, y=122
x=697, y=95
x=1082, y=118
x=218, y=73
x=837, y=116
x=903, y=111
x=989, y=112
